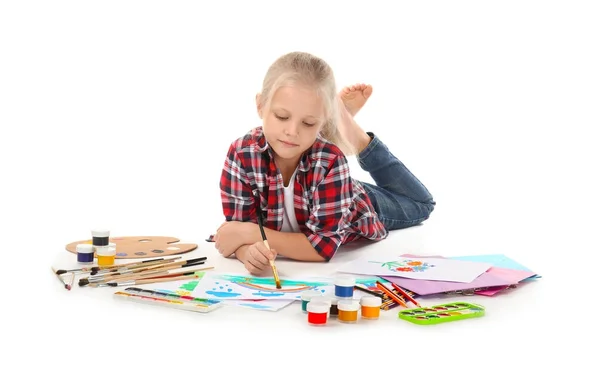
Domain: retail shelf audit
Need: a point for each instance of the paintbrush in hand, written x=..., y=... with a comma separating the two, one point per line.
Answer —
x=264, y=237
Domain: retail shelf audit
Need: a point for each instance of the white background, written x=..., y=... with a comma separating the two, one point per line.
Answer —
x=119, y=113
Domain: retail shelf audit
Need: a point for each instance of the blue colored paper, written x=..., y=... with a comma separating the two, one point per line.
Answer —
x=496, y=260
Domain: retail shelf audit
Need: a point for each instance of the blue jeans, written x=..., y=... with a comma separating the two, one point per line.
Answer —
x=399, y=198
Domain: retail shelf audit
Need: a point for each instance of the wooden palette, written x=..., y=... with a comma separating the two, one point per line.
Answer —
x=142, y=247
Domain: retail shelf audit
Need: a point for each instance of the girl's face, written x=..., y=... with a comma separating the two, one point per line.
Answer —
x=291, y=123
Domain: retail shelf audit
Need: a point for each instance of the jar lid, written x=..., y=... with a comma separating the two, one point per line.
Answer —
x=317, y=307
x=345, y=281
x=322, y=299
x=348, y=305
x=370, y=301
x=100, y=232
x=308, y=295
x=106, y=250
x=85, y=248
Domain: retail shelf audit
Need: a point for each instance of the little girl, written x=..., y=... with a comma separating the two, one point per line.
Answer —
x=293, y=168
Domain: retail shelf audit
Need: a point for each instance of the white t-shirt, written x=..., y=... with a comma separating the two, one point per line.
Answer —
x=290, y=224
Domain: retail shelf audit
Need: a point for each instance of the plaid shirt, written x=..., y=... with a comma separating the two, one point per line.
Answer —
x=331, y=208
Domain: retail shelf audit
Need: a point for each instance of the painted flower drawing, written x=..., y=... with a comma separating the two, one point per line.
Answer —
x=407, y=265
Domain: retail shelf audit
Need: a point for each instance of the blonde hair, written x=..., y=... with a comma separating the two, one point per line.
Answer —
x=312, y=71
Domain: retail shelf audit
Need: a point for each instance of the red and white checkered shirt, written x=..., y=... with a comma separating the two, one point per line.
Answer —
x=330, y=206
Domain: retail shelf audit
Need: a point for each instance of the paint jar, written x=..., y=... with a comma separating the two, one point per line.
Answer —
x=344, y=286
x=323, y=299
x=100, y=237
x=348, y=311
x=370, y=307
x=85, y=253
x=106, y=255
x=307, y=296
x=333, y=309
x=318, y=312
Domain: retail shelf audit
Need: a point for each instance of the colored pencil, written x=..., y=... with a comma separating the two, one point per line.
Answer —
x=391, y=294
x=406, y=295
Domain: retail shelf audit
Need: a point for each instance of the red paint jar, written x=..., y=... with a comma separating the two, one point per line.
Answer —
x=317, y=312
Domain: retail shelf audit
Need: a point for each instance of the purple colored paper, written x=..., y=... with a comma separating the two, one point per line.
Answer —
x=493, y=277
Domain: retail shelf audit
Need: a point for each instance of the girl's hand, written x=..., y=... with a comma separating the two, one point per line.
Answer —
x=256, y=258
x=232, y=235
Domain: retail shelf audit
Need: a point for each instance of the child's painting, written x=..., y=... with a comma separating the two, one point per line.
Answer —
x=187, y=287
x=429, y=268
x=228, y=286
x=259, y=293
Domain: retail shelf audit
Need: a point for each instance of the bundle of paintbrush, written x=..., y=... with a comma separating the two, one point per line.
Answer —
x=113, y=268
x=134, y=273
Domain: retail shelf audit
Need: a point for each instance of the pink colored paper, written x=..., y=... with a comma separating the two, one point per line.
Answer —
x=491, y=291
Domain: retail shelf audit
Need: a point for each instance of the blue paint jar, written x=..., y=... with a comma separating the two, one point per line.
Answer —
x=85, y=253
x=344, y=287
x=307, y=296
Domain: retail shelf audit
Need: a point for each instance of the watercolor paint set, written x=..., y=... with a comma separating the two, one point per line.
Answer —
x=168, y=299
x=442, y=313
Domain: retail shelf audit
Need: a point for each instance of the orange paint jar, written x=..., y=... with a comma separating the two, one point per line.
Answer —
x=106, y=255
x=370, y=307
x=348, y=311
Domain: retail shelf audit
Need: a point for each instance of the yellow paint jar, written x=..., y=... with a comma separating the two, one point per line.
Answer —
x=348, y=311
x=106, y=255
x=370, y=307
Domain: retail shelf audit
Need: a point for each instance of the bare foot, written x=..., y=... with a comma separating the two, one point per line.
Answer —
x=355, y=96
x=354, y=135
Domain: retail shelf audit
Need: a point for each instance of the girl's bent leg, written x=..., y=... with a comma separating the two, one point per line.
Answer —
x=399, y=198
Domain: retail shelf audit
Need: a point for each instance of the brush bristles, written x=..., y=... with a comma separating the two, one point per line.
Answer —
x=275, y=275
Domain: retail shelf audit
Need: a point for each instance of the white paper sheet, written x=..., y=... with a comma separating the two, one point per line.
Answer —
x=428, y=268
